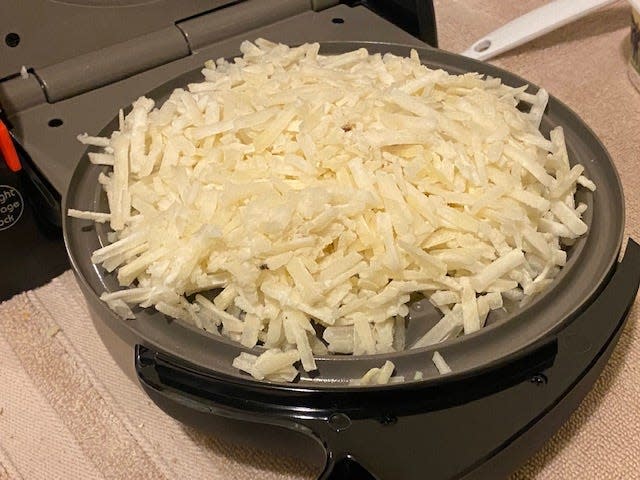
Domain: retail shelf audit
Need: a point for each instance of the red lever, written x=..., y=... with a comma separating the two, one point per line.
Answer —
x=8, y=149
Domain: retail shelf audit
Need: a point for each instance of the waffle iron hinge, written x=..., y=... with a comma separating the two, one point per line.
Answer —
x=92, y=70
x=204, y=30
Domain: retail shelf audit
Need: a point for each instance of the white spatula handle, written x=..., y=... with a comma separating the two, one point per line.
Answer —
x=532, y=25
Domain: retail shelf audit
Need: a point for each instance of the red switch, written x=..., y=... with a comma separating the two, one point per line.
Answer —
x=8, y=149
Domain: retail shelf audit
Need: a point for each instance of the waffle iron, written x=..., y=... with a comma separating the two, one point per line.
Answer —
x=513, y=384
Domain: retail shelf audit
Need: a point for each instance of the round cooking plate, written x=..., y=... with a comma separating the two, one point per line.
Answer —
x=590, y=261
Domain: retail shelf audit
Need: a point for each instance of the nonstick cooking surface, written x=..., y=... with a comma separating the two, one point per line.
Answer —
x=590, y=261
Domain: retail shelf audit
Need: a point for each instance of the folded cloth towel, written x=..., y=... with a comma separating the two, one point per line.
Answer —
x=69, y=412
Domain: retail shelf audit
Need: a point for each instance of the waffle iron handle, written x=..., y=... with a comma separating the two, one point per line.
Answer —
x=381, y=442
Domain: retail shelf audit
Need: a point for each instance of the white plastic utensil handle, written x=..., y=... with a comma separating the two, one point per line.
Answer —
x=532, y=25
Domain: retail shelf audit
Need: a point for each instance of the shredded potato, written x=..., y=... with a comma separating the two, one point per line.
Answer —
x=440, y=363
x=315, y=194
x=378, y=376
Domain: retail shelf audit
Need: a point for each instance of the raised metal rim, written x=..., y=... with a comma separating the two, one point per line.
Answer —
x=591, y=260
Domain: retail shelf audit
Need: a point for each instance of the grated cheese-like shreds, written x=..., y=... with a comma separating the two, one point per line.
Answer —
x=378, y=376
x=440, y=363
x=322, y=191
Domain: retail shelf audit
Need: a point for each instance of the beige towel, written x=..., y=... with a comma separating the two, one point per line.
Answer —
x=66, y=410
x=69, y=412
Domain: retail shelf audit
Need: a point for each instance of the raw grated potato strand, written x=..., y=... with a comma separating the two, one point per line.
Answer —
x=326, y=190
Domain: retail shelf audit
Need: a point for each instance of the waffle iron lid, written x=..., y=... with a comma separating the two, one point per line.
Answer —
x=77, y=27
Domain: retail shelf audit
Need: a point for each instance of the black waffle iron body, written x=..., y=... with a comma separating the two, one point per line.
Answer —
x=512, y=384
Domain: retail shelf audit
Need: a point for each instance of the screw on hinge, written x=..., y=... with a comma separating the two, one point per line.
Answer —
x=12, y=39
